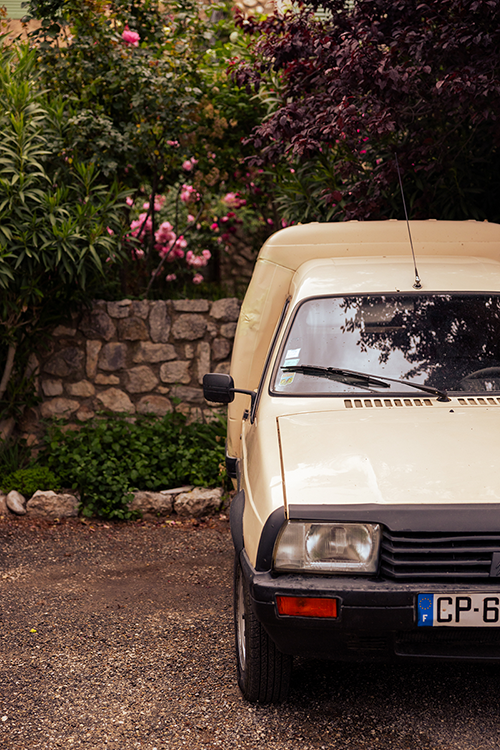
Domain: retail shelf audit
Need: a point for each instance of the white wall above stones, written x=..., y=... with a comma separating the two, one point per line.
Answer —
x=136, y=357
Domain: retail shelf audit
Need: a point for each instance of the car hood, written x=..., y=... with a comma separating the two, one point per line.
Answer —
x=433, y=454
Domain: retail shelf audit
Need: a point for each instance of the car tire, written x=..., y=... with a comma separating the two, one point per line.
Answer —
x=263, y=671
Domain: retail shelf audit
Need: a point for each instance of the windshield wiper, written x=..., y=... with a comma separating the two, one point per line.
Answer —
x=360, y=379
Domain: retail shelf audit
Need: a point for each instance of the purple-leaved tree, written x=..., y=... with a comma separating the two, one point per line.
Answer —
x=350, y=85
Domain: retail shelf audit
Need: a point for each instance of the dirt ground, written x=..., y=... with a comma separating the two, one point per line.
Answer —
x=120, y=636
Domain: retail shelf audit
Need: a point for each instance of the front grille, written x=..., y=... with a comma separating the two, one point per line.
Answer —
x=446, y=643
x=436, y=556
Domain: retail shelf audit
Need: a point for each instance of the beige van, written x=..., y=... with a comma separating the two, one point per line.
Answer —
x=364, y=438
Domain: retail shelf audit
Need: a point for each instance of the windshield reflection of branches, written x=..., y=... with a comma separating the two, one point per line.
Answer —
x=440, y=336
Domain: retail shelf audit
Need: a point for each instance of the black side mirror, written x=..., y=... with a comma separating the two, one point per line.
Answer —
x=218, y=387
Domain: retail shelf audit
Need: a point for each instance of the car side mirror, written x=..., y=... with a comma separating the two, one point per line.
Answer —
x=219, y=387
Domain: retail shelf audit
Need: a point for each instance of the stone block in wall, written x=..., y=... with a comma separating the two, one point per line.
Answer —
x=202, y=360
x=212, y=329
x=97, y=324
x=66, y=362
x=64, y=331
x=141, y=379
x=132, y=329
x=159, y=322
x=113, y=356
x=226, y=309
x=154, y=404
x=7, y=428
x=102, y=379
x=186, y=393
x=52, y=387
x=59, y=407
x=3, y=504
x=83, y=388
x=224, y=367
x=116, y=400
x=220, y=348
x=33, y=365
x=84, y=414
x=148, y=352
x=119, y=309
x=175, y=372
x=228, y=330
x=189, y=327
x=191, y=305
x=140, y=308
x=93, y=347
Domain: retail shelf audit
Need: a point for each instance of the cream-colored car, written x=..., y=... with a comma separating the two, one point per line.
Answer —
x=364, y=434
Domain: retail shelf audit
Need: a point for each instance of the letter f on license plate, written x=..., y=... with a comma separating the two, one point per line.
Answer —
x=458, y=610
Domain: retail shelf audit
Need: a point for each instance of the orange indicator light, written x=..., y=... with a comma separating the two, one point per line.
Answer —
x=305, y=606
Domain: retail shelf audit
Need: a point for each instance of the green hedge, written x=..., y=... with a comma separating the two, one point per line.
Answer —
x=106, y=458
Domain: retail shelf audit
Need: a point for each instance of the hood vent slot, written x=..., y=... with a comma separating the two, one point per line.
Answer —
x=374, y=403
x=479, y=401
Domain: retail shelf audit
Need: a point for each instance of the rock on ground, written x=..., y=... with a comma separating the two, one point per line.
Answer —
x=198, y=502
x=48, y=504
x=16, y=502
x=152, y=503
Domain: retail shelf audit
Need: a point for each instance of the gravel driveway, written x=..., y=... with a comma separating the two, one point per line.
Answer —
x=120, y=636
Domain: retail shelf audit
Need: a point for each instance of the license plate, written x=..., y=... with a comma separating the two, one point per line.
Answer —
x=459, y=610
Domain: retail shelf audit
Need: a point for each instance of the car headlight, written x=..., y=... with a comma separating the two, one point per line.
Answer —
x=327, y=547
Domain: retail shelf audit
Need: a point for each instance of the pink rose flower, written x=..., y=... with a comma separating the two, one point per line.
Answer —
x=197, y=279
x=188, y=193
x=189, y=164
x=171, y=277
x=130, y=37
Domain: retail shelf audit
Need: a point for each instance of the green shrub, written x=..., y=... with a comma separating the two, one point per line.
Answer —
x=14, y=454
x=112, y=455
x=28, y=481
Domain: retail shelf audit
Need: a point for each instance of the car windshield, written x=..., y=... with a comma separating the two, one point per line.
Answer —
x=447, y=341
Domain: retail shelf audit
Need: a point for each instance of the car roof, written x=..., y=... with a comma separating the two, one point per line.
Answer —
x=285, y=257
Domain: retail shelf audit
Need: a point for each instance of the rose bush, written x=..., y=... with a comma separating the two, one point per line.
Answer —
x=149, y=100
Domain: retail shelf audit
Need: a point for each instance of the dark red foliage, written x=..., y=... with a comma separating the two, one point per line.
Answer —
x=388, y=76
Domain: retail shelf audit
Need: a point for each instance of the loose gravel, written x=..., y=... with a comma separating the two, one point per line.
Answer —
x=120, y=636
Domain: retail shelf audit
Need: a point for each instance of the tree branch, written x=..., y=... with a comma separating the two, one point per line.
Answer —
x=8, y=369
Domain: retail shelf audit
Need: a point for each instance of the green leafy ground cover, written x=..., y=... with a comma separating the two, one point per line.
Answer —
x=109, y=457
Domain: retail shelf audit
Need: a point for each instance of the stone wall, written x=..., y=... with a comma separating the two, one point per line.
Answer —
x=136, y=357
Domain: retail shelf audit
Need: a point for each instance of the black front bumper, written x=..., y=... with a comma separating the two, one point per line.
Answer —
x=377, y=620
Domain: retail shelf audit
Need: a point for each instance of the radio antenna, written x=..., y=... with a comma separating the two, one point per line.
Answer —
x=417, y=284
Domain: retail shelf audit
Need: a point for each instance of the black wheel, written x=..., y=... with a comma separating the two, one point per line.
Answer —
x=263, y=671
